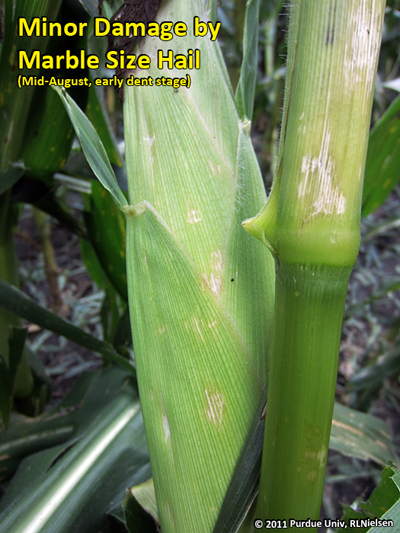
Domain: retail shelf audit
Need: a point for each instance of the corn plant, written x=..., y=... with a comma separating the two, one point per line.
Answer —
x=208, y=324
x=201, y=278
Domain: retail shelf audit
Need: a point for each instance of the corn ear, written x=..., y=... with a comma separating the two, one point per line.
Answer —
x=200, y=292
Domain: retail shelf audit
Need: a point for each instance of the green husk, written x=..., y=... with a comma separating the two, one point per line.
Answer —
x=195, y=277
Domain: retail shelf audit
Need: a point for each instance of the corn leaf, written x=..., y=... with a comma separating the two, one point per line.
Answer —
x=59, y=490
x=140, y=509
x=361, y=435
x=383, y=159
x=18, y=303
x=91, y=6
x=243, y=487
x=48, y=137
x=92, y=148
x=15, y=103
x=10, y=177
x=97, y=114
x=106, y=228
x=64, y=423
x=372, y=376
x=384, y=503
x=8, y=371
x=248, y=73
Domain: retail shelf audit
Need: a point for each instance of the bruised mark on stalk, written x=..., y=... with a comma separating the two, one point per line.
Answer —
x=311, y=476
x=321, y=457
x=362, y=46
x=215, y=406
x=318, y=182
x=330, y=32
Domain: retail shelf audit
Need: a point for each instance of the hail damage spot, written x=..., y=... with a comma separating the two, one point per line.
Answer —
x=215, y=406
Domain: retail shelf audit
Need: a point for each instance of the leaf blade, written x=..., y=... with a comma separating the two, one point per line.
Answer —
x=93, y=148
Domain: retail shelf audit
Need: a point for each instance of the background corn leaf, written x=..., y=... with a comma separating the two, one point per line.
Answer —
x=91, y=6
x=383, y=503
x=18, y=303
x=71, y=489
x=92, y=148
x=246, y=87
x=393, y=512
x=140, y=509
x=97, y=114
x=43, y=434
x=48, y=137
x=63, y=423
x=382, y=170
x=372, y=376
x=8, y=371
x=15, y=104
x=106, y=227
x=44, y=197
x=361, y=435
x=10, y=177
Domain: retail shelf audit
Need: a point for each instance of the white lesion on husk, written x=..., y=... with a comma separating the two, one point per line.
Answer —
x=215, y=407
x=194, y=216
x=150, y=141
x=198, y=328
x=214, y=280
x=318, y=184
x=166, y=430
x=216, y=261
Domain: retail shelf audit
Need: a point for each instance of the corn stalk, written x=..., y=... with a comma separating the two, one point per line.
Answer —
x=311, y=223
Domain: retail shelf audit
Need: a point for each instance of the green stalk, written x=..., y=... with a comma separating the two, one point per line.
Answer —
x=311, y=223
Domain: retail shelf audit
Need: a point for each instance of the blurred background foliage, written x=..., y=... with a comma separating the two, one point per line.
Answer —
x=69, y=238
